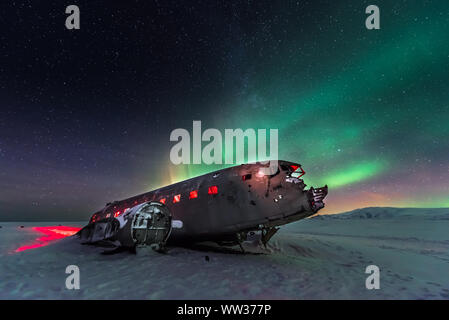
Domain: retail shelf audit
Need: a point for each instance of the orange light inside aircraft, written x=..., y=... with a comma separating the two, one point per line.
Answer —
x=212, y=190
x=260, y=173
x=193, y=194
x=177, y=198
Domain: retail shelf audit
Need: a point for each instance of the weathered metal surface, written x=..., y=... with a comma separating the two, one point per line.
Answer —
x=245, y=200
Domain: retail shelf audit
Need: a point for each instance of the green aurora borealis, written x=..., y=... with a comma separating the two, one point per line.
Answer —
x=86, y=116
x=366, y=112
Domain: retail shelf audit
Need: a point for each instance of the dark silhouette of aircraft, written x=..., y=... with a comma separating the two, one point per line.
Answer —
x=228, y=207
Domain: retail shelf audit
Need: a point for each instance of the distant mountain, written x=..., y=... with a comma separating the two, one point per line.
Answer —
x=390, y=213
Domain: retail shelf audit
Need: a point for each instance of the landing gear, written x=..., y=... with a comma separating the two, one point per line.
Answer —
x=262, y=236
x=267, y=233
x=240, y=238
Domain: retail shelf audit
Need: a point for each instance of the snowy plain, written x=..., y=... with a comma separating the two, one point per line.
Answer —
x=323, y=257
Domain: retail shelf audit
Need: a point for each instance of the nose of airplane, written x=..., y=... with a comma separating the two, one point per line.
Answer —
x=318, y=195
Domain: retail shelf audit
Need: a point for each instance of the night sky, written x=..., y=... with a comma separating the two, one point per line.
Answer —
x=86, y=115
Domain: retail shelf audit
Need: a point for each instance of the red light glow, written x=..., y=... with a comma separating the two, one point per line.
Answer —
x=260, y=173
x=296, y=173
x=163, y=200
x=51, y=234
x=177, y=198
x=193, y=194
x=212, y=190
x=116, y=214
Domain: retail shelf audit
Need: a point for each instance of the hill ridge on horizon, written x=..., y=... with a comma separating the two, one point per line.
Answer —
x=388, y=212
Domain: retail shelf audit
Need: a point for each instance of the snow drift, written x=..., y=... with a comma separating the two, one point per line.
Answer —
x=324, y=257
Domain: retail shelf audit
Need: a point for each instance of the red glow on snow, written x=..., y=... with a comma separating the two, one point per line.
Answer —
x=177, y=198
x=212, y=190
x=193, y=194
x=51, y=234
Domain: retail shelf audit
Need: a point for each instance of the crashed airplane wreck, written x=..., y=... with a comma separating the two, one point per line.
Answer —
x=227, y=207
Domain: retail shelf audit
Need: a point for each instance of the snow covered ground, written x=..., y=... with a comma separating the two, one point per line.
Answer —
x=320, y=258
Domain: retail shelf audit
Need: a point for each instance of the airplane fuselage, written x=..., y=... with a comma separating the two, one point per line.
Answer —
x=219, y=205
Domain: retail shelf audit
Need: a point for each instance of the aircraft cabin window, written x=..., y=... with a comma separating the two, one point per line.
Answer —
x=177, y=198
x=212, y=190
x=193, y=194
x=246, y=177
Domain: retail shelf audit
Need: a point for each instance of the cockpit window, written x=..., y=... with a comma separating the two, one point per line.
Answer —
x=297, y=171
